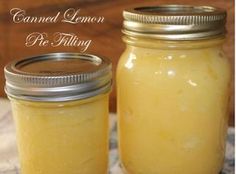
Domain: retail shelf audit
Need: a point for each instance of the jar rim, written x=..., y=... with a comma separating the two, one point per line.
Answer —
x=175, y=22
x=58, y=77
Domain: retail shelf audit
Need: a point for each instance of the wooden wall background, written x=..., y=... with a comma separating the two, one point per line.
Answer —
x=106, y=37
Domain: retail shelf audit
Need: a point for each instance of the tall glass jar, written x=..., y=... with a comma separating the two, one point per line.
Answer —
x=60, y=108
x=173, y=84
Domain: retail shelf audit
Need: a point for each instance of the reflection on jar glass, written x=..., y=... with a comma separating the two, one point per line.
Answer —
x=60, y=108
x=173, y=88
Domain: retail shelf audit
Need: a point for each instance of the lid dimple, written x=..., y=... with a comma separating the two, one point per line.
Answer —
x=56, y=66
x=175, y=9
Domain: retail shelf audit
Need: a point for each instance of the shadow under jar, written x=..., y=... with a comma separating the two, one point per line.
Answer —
x=60, y=108
x=173, y=89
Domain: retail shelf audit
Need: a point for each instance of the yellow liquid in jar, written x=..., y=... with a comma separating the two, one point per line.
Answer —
x=173, y=108
x=63, y=137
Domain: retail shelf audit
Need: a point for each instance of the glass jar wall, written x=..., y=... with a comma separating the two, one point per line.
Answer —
x=173, y=100
x=62, y=137
x=60, y=108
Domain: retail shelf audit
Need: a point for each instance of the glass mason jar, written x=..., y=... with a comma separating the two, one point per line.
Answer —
x=173, y=84
x=60, y=108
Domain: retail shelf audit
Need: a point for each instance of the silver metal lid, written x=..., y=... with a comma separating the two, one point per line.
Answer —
x=58, y=77
x=175, y=22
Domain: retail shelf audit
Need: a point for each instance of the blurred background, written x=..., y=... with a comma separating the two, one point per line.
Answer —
x=106, y=37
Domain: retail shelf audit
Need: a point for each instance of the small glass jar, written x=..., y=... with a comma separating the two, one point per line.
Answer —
x=173, y=90
x=60, y=108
